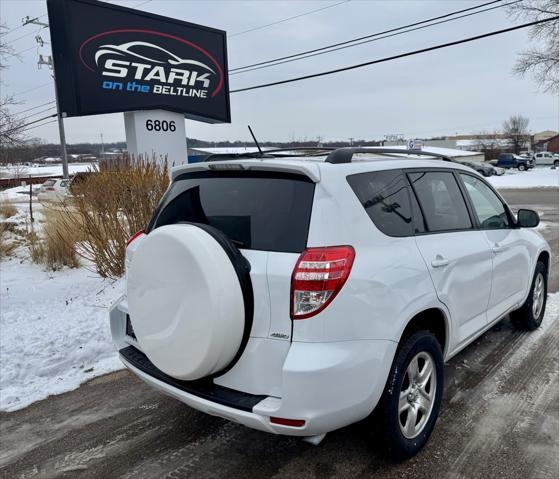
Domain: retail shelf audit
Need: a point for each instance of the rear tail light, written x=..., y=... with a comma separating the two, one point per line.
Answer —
x=317, y=278
x=50, y=188
x=134, y=236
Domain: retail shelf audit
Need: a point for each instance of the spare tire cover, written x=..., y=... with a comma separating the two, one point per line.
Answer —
x=185, y=302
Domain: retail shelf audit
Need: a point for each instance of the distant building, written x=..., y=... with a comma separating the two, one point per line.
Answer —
x=548, y=144
x=544, y=135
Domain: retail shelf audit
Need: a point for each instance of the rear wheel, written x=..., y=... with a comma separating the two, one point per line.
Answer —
x=529, y=316
x=556, y=163
x=521, y=167
x=410, y=404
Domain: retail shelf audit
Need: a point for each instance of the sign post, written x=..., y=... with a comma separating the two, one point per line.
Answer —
x=156, y=133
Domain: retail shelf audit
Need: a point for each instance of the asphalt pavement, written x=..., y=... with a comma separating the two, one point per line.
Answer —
x=500, y=419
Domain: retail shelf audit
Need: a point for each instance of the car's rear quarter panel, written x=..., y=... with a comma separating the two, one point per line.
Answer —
x=388, y=284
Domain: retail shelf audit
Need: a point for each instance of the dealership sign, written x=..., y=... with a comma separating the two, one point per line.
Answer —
x=112, y=59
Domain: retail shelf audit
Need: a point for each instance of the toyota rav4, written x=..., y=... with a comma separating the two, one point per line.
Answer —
x=297, y=295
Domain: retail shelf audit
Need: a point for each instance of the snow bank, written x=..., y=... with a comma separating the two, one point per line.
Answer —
x=54, y=331
x=51, y=170
x=535, y=178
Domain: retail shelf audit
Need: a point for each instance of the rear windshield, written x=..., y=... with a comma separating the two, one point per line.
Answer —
x=49, y=183
x=256, y=210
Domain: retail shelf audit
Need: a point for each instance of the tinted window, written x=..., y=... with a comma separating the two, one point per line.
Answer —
x=385, y=196
x=489, y=209
x=263, y=211
x=441, y=201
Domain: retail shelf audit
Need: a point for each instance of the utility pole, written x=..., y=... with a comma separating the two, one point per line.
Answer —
x=47, y=60
x=102, y=147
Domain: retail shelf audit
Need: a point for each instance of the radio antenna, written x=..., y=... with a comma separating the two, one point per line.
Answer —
x=255, y=140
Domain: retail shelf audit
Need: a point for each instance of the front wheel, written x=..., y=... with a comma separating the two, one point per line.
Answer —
x=556, y=163
x=529, y=316
x=521, y=167
x=410, y=403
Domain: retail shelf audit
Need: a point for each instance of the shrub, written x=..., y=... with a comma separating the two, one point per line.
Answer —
x=7, y=246
x=112, y=203
x=57, y=245
x=7, y=209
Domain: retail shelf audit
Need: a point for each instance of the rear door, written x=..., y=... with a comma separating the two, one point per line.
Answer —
x=265, y=214
x=511, y=257
x=457, y=255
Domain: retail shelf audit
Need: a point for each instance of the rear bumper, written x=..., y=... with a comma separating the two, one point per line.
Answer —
x=328, y=385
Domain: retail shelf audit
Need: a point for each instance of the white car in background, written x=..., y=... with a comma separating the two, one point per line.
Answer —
x=54, y=190
x=546, y=158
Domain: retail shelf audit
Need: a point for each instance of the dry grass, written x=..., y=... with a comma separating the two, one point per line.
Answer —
x=57, y=245
x=7, y=209
x=110, y=205
x=7, y=246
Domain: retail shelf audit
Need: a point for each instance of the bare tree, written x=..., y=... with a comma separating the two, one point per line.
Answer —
x=515, y=129
x=542, y=61
x=11, y=126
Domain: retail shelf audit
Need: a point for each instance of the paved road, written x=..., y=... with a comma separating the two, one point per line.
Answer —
x=500, y=418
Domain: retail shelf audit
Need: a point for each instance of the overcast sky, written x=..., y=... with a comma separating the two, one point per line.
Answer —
x=462, y=89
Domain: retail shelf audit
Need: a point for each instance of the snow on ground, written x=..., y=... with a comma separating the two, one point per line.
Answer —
x=54, y=331
x=536, y=178
x=18, y=193
x=50, y=170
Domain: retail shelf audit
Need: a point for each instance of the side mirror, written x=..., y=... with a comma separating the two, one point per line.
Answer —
x=527, y=219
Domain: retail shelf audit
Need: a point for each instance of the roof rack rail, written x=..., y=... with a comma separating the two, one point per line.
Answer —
x=312, y=150
x=344, y=155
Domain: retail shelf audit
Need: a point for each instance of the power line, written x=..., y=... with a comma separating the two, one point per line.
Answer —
x=27, y=124
x=22, y=51
x=351, y=43
x=21, y=26
x=39, y=112
x=37, y=126
x=34, y=107
x=396, y=29
x=287, y=19
x=26, y=35
x=32, y=89
x=141, y=3
x=394, y=57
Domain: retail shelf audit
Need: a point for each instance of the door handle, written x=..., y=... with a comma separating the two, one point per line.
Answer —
x=439, y=262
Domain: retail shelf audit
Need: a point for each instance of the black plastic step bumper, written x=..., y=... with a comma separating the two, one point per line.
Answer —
x=202, y=388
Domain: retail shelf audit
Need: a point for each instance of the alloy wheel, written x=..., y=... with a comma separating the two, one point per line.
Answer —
x=417, y=395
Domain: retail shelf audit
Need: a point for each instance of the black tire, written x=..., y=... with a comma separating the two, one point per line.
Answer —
x=556, y=163
x=525, y=317
x=486, y=173
x=521, y=167
x=387, y=415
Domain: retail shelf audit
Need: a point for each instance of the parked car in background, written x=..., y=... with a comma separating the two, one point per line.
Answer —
x=546, y=158
x=510, y=160
x=482, y=169
x=53, y=190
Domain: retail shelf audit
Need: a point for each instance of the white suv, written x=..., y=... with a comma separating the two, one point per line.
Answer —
x=300, y=295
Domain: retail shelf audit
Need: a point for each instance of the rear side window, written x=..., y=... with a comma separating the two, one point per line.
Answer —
x=386, y=198
x=256, y=210
x=441, y=201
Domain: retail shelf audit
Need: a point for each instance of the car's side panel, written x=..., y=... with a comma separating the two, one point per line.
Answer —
x=388, y=282
x=460, y=266
x=512, y=260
